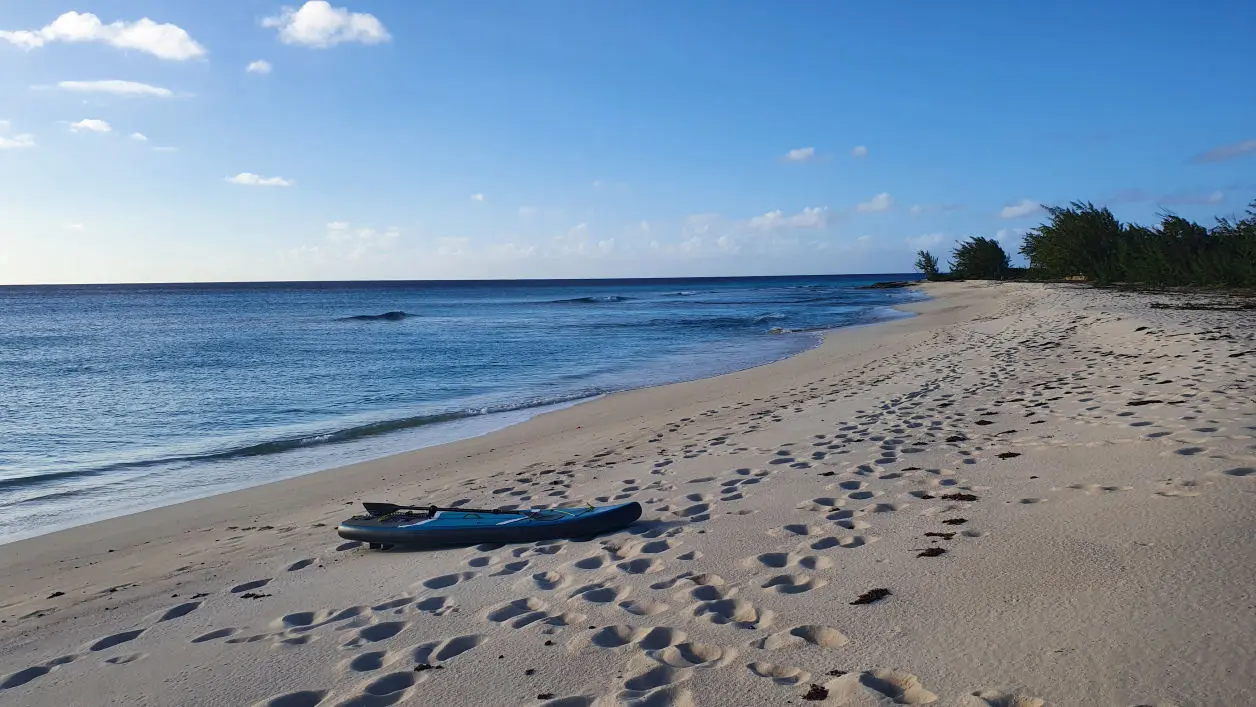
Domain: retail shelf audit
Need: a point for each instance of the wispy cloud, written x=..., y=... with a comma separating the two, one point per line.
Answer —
x=859, y=151
x=91, y=125
x=165, y=41
x=477, y=197
x=1226, y=152
x=810, y=217
x=880, y=202
x=318, y=24
x=1025, y=207
x=249, y=179
x=15, y=142
x=261, y=66
x=114, y=86
x=801, y=154
x=139, y=137
x=927, y=240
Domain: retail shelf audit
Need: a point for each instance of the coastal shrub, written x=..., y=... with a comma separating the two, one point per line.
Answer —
x=980, y=258
x=927, y=264
x=1082, y=241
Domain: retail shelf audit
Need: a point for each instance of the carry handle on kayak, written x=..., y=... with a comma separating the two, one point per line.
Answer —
x=383, y=509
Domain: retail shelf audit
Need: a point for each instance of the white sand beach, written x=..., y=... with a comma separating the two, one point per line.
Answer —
x=1055, y=484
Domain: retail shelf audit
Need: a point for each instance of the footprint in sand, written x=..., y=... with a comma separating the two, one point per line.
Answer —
x=779, y=674
x=214, y=635
x=894, y=685
x=449, y=580
x=249, y=586
x=179, y=611
x=442, y=650
x=691, y=655
x=792, y=584
x=736, y=612
x=304, y=698
x=783, y=560
x=117, y=638
x=996, y=698
x=436, y=606
x=656, y=638
x=643, y=608
x=823, y=636
x=376, y=633
x=24, y=676
x=600, y=593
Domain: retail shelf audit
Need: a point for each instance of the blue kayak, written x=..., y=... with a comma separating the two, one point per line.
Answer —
x=420, y=528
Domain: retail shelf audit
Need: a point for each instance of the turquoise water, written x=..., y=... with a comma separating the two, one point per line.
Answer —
x=118, y=398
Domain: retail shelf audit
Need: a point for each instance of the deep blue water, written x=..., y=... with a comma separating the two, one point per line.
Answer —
x=116, y=398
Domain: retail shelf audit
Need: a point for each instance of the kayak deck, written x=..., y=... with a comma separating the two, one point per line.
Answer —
x=446, y=528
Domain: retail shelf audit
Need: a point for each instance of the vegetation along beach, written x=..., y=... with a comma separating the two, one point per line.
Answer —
x=358, y=353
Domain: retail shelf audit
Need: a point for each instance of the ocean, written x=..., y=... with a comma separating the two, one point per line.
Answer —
x=118, y=398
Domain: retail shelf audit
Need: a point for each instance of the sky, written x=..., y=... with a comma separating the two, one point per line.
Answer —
x=158, y=141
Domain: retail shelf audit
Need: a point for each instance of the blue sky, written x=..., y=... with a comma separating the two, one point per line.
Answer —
x=433, y=139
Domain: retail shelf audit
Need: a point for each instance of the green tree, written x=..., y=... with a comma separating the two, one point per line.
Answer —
x=980, y=258
x=927, y=264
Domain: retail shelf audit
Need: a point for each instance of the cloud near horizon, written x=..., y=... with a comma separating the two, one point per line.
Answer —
x=809, y=217
x=1226, y=152
x=261, y=66
x=317, y=24
x=249, y=179
x=1025, y=207
x=164, y=41
x=801, y=154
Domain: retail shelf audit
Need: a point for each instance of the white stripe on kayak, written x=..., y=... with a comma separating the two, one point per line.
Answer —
x=513, y=520
x=415, y=525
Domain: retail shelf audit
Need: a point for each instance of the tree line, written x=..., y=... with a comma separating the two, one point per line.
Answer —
x=1083, y=241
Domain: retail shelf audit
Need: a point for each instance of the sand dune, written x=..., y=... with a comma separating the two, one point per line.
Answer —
x=1026, y=495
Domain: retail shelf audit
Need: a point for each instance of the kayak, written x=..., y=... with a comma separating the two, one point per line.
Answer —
x=424, y=528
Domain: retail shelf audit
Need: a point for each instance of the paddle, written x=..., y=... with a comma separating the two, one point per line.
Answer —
x=383, y=509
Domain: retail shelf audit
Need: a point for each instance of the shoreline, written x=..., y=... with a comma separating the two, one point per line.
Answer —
x=493, y=421
x=1053, y=484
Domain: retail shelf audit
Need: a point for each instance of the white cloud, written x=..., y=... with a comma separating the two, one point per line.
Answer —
x=927, y=240
x=17, y=141
x=318, y=24
x=338, y=226
x=92, y=125
x=801, y=154
x=1003, y=235
x=254, y=180
x=139, y=137
x=116, y=87
x=74, y=227
x=880, y=202
x=859, y=151
x=1026, y=207
x=165, y=41
x=261, y=66
x=477, y=197
x=810, y=217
